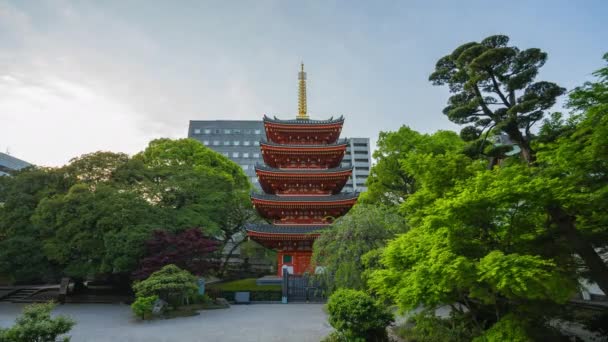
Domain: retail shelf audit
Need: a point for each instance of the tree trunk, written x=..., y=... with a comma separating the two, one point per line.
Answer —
x=225, y=263
x=526, y=151
x=598, y=269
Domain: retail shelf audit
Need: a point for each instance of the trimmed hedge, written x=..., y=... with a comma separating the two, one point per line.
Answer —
x=255, y=296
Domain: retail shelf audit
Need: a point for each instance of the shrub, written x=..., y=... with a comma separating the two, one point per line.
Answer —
x=170, y=283
x=430, y=328
x=143, y=306
x=36, y=325
x=357, y=316
x=203, y=299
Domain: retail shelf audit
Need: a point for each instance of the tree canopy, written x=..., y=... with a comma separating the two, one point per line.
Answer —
x=494, y=87
x=505, y=246
x=342, y=249
x=93, y=216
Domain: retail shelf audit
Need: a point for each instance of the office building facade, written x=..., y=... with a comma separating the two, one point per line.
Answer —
x=239, y=140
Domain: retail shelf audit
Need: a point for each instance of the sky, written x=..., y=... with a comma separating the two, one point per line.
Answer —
x=82, y=76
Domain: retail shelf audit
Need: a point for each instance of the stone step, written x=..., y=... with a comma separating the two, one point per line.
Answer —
x=18, y=295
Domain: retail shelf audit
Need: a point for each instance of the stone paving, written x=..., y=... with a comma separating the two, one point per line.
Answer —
x=255, y=322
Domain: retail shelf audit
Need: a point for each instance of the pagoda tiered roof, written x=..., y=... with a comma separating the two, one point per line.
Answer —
x=302, y=181
x=303, y=209
x=331, y=120
x=303, y=156
x=274, y=236
x=303, y=131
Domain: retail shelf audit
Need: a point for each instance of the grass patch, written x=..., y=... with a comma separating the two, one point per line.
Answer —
x=244, y=285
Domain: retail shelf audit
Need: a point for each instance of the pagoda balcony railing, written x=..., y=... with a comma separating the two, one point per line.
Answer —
x=340, y=142
x=264, y=167
x=294, y=198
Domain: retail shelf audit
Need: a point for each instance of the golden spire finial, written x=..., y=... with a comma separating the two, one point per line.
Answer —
x=302, y=115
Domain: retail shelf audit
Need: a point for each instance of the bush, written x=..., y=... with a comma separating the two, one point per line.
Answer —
x=143, y=306
x=430, y=328
x=203, y=299
x=170, y=283
x=255, y=296
x=36, y=325
x=357, y=316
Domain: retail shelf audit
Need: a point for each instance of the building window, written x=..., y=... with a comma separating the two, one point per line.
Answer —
x=226, y=131
x=257, y=131
x=235, y=154
x=216, y=142
x=236, y=131
x=245, y=167
x=256, y=143
x=197, y=131
x=207, y=131
x=256, y=155
x=360, y=152
x=246, y=143
x=218, y=131
x=362, y=160
x=206, y=142
x=226, y=143
x=245, y=155
x=362, y=168
x=236, y=143
x=360, y=145
x=225, y=154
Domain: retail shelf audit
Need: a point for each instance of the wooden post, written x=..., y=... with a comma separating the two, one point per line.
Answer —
x=285, y=286
x=63, y=289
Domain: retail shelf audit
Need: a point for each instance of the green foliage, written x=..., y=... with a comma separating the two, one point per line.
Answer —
x=36, y=325
x=203, y=299
x=169, y=283
x=92, y=216
x=357, y=316
x=503, y=246
x=430, y=328
x=520, y=276
x=341, y=249
x=248, y=284
x=509, y=328
x=389, y=181
x=142, y=306
x=493, y=86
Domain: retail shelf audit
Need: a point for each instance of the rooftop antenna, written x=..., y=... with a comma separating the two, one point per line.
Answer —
x=302, y=111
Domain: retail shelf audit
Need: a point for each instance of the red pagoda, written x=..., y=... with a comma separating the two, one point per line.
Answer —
x=302, y=182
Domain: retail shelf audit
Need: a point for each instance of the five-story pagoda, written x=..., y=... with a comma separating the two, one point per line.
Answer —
x=302, y=181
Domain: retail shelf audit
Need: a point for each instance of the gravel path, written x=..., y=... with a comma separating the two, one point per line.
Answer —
x=256, y=322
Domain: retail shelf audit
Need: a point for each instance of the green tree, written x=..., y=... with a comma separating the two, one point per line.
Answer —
x=389, y=182
x=143, y=306
x=343, y=249
x=200, y=188
x=36, y=325
x=493, y=86
x=21, y=254
x=75, y=226
x=169, y=283
x=578, y=158
x=357, y=316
